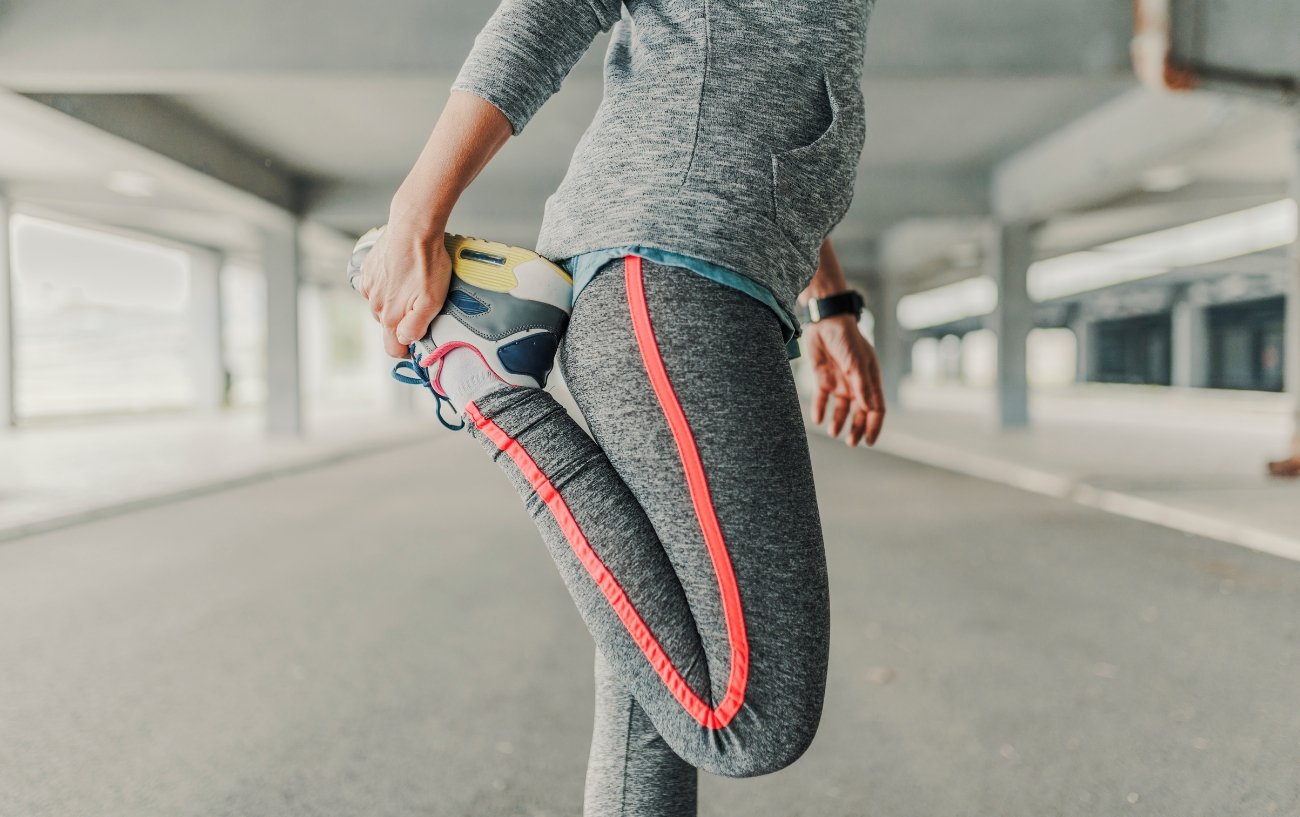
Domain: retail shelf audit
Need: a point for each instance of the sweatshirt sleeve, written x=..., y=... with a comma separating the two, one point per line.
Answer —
x=523, y=54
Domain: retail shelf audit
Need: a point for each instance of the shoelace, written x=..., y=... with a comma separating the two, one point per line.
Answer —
x=419, y=376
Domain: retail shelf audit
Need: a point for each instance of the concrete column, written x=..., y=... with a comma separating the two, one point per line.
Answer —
x=893, y=348
x=207, y=357
x=8, y=352
x=1191, y=343
x=313, y=334
x=1293, y=302
x=280, y=264
x=1081, y=325
x=1010, y=254
x=950, y=349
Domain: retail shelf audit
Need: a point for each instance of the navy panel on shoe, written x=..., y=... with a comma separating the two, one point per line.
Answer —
x=530, y=356
x=504, y=314
x=466, y=302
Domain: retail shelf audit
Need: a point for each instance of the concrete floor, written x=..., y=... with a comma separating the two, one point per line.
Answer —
x=61, y=472
x=1190, y=459
x=348, y=641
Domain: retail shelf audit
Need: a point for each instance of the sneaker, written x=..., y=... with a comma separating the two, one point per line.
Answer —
x=1285, y=468
x=508, y=304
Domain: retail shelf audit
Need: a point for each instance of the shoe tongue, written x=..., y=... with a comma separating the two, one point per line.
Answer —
x=422, y=348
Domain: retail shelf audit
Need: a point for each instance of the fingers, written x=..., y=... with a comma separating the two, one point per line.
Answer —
x=377, y=287
x=868, y=399
x=840, y=414
x=415, y=324
x=405, y=292
x=875, y=422
x=875, y=400
x=847, y=369
x=857, y=428
x=372, y=294
x=402, y=327
x=819, y=405
x=389, y=318
x=393, y=346
x=371, y=265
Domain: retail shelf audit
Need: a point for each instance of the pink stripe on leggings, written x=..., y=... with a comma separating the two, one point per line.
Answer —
x=697, y=483
x=609, y=586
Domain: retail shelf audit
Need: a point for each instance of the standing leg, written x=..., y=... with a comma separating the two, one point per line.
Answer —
x=632, y=771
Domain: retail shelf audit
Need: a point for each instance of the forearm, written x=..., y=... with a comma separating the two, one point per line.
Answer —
x=829, y=278
x=519, y=59
x=468, y=134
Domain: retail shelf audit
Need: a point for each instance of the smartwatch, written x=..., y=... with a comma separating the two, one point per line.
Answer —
x=845, y=303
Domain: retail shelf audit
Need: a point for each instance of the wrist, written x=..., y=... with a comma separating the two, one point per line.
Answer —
x=823, y=289
x=421, y=206
x=419, y=221
x=825, y=283
x=829, y=277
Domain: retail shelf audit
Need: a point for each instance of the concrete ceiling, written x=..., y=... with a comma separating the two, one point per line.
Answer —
x=320, y=106
x=358, y=129
x=168, y=46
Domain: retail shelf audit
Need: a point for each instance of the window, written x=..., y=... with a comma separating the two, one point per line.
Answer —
x=1134, y=350
x=1248, y=345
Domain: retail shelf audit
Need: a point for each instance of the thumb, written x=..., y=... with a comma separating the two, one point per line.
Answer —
x=415, y=324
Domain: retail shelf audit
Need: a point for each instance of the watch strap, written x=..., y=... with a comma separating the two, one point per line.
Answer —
x=843, y=303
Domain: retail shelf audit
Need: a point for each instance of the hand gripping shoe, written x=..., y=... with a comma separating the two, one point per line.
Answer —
x=508, y=304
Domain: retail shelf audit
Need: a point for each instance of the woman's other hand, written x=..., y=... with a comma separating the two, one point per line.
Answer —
x=848, y=379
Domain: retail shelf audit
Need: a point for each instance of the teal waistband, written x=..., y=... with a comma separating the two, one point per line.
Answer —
x=584, y=267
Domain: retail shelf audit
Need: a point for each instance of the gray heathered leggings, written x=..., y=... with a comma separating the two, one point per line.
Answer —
x=687, y=532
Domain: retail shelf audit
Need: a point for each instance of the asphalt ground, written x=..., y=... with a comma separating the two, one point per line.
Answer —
x=387, y=636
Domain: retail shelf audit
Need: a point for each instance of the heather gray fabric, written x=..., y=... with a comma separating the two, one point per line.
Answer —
x=729, y=132
x=632, y=772
x=724, y=354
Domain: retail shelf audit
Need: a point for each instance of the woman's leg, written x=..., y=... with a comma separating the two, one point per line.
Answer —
x=689, y=537
x=632, y=772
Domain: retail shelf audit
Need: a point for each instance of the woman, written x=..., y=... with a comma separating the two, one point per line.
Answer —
x=694, y=212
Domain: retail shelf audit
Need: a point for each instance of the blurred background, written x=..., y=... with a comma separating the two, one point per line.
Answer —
x=1067, y=582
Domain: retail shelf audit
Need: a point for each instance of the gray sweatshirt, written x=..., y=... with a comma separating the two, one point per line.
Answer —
x=730, y=130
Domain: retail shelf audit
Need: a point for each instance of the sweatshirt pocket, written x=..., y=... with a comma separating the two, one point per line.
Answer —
x=812, y=185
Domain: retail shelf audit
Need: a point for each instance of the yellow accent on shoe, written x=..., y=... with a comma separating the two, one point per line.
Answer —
x=490, y=264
